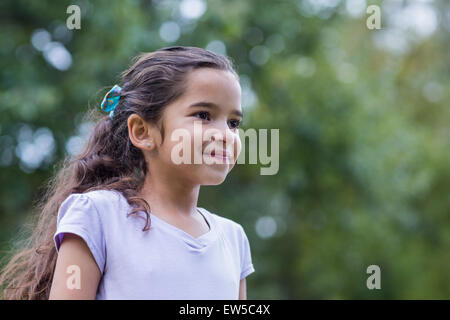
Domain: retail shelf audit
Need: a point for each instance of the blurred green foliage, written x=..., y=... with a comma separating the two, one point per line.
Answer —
x=364, y=175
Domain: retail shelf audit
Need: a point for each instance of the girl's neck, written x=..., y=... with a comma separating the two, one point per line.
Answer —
x=169, y=197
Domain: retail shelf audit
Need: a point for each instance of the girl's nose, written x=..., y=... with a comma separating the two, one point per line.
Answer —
x=222, y=132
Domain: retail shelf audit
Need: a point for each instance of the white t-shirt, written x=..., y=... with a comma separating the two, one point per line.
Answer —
x=162, y=263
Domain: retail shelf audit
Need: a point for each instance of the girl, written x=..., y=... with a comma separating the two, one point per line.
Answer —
x=121, y=219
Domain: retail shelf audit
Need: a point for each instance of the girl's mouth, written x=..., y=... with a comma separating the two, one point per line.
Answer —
x=225, y=157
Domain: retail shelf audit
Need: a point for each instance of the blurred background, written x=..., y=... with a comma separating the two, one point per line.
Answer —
x=363, y=118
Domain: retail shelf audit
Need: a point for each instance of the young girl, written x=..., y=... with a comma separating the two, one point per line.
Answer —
x=121, y=220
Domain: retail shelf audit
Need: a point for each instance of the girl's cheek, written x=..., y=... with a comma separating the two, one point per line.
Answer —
x=237, y=147
x=197, y=142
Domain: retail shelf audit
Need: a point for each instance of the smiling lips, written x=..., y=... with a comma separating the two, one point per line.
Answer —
x=221, y=154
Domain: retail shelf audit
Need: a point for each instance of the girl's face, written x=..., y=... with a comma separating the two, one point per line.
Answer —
x=201, y=126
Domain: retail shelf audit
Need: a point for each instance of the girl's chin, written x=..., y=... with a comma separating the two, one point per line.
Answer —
x=212, y=182
x=213, y=177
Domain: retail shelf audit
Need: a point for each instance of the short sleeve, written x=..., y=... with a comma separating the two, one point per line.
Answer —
x=78, y=214
x=246, y=257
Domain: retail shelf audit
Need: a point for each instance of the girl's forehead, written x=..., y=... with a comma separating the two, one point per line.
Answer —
x=217, y=87
x=211, y=79
x=213, y=85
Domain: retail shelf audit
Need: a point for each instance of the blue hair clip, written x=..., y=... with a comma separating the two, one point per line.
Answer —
x=111, y=100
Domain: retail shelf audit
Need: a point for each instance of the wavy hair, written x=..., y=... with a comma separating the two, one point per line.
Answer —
x=108, y=161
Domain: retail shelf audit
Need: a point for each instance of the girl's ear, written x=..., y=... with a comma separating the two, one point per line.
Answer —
x=139, y=131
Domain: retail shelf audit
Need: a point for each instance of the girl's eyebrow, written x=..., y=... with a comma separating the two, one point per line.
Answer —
x=212, y=105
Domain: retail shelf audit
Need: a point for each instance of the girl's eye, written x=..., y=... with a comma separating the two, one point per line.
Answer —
x=234, y=124
x=202, y=114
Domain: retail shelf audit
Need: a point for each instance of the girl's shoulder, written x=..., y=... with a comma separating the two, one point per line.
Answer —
x=100, y=201
x=103, y=196
x=227, y=225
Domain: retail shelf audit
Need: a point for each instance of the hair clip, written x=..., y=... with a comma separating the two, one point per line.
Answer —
x=111, y=100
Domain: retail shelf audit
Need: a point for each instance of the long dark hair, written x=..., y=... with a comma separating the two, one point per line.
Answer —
x=108, y=161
